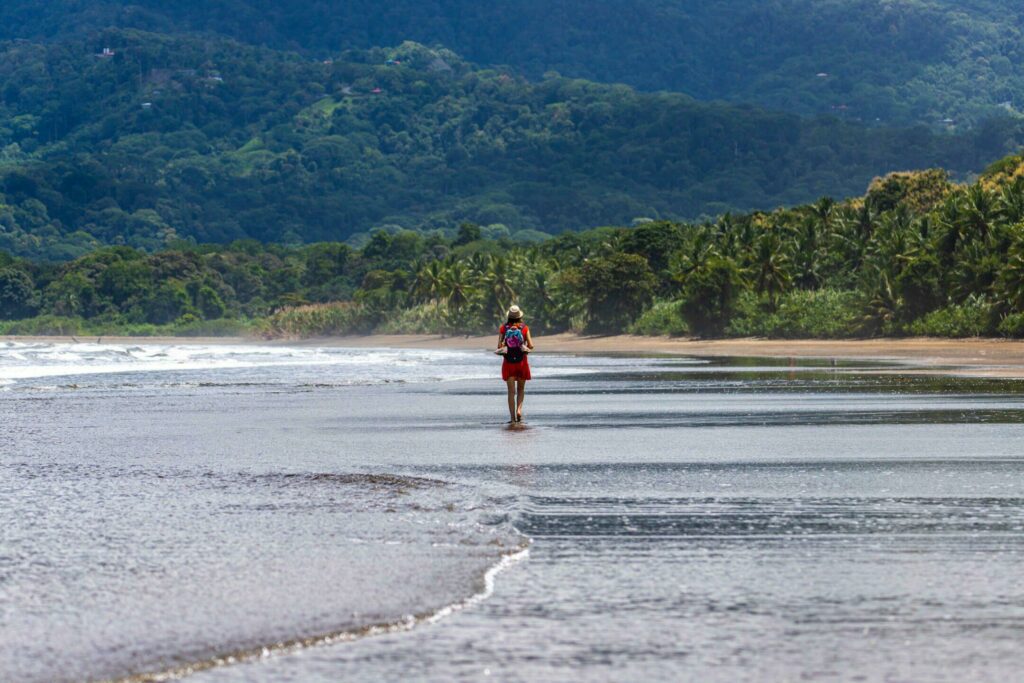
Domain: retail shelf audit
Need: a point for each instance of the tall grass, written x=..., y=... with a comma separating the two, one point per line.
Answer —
x=318, y=320
x=430, y=318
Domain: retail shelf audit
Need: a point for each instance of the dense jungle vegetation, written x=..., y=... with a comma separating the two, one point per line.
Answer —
x=903, y=62
x=917, y=255
x=165, y=138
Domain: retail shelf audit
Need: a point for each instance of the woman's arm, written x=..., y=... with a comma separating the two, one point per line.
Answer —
x=501, y=340
x=529, y=339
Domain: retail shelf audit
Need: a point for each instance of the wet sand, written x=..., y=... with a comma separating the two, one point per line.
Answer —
x=990, y=357
x=688, y=519
x=998, y=358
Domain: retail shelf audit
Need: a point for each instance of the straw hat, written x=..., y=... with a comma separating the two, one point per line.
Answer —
x=514, y=313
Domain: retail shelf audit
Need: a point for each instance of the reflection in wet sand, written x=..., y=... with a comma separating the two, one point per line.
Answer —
x=736, y=523
x=715, y=521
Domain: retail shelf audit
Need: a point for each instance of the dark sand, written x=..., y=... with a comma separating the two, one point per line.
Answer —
x=689, y=520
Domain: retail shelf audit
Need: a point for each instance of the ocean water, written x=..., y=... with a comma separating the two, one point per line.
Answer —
x=272, y=513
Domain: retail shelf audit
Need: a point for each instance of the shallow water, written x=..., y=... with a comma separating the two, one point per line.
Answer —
x=727, y=520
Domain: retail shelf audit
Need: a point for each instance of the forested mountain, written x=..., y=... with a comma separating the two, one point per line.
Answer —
x=896, y=61
x=127, y=137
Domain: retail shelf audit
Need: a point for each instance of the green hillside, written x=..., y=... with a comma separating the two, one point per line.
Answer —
x=211, y=140
x=900, y=62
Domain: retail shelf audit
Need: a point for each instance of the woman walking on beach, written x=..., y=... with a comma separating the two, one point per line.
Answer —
x=514, y=342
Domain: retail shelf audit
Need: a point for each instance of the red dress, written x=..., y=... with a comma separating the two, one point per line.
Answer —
x=520, y=370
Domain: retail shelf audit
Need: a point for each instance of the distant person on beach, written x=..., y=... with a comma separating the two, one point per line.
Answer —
x=514, y=343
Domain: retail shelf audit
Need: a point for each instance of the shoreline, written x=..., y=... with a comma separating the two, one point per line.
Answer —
x=301, y=643
x=962, y=357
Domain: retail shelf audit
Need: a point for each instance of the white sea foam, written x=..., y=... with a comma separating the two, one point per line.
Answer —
x=296, y=646
x=20, y=361
x=256, y=363
x=147, y=366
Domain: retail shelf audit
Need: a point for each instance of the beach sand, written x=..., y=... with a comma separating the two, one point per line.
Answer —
x=965, y=357
x=687, y=520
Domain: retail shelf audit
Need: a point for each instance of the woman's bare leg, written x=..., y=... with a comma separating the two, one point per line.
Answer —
x=521, y=387
x=511, y=399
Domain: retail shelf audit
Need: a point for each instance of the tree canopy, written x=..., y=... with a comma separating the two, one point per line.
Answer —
x=907, y=62
x=135, y=138
x=918, y=254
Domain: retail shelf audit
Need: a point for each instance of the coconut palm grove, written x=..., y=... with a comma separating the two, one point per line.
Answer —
x=917, y=255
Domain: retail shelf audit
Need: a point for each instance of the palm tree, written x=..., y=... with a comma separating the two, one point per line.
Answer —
x=457, y=286
x=537, y=293
x=698, y=248
x=902, y=256
x=977, y=213
x=479, y=264
x=429, y=282
x=770, y=266
x=1009, y=287
x=822, y=210
x=854, y=229
x=892, y=238
x=807, y=253
x=500, y=282
x=1010, y=202
x=975, y=271
x=884, y=303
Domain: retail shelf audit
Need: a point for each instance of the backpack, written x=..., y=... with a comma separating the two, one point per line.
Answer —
x=514, y=343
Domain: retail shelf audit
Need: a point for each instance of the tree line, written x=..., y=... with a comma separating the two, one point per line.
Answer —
x=917, y=255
